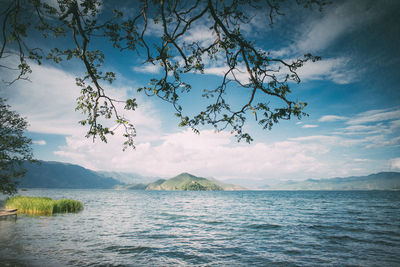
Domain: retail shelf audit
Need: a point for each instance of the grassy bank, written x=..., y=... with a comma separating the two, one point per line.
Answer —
x=42, y=205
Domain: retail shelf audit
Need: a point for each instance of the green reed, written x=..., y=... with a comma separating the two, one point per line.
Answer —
x=42, y=205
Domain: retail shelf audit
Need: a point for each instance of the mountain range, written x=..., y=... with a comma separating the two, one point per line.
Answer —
x=128, y=177
x=378, y=181
x=63, y=175
x=50, y=174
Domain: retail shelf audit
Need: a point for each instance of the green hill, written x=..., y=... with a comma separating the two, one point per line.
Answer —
x=155, y=185
x=186, y=182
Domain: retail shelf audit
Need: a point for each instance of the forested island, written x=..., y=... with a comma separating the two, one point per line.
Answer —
x=189, y=182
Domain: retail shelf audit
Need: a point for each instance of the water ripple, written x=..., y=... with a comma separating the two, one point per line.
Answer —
x=140, y=228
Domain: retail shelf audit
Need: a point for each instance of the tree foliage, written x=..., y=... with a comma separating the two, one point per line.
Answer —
x=82, y=23
x=15, y=148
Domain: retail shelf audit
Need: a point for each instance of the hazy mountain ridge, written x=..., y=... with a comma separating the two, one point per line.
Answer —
x=64, y=175
x=52, y=174
x=128, y=177
x=228, y=186
x=377, y=181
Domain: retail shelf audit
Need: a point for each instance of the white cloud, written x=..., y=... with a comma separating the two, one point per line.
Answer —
x=375, y=116
x=377, y=141
x=364, y=129
x=332, y=118
x=340, y=19
x=218, y=155
x=375, y=135
x=395, y=164
x=147, y=68
x=314, y=138
x=39, y=142
x=306, y=126
x=361, y=160
x=49, y=103
x=320, y=32
x=207, y=154
x=372, y=129
x=154, y=29
x=337, y=70
x=240, y=73
x=334, y=69
x=337, y=19
x=394, y=125
x=200, y=33
x=328, y=140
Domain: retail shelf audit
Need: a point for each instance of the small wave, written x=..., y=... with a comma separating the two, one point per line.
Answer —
x=128, y=249
x=186, y=257
x=264, y=226
x=338, y=239
x=173, y=216
x=292, y=252
x=385, y=243
x=322, y=227
x=384, y=233
x=212, y=222
x=354, y=212
x=161, y=236
x=319, y=226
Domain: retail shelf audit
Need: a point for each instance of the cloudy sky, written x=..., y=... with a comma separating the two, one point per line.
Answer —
x=353, y=98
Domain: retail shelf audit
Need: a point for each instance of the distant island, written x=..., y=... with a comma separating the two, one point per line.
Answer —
x=189, y=182
x=50, y=174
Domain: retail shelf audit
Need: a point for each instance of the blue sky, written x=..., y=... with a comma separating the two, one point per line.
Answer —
x=353, y=100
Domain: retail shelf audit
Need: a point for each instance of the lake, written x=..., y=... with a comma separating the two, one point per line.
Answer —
x=242, y=228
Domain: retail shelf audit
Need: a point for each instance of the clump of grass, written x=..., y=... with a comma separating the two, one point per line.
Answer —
x=42, y=205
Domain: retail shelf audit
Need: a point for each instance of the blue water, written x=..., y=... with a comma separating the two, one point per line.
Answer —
x=250, y=228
